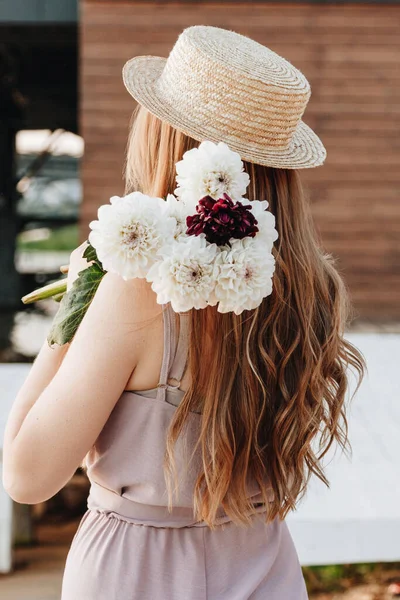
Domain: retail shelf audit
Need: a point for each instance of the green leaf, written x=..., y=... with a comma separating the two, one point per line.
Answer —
x=74, y=305
x=91, y=254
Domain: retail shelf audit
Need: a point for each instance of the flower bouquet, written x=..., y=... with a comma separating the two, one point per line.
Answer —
x=204, y=246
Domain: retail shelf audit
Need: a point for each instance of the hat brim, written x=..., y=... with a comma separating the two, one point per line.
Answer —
x=141, y=75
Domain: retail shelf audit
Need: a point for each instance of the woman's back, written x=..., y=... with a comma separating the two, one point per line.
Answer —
x=128, y=545
x=146, y=374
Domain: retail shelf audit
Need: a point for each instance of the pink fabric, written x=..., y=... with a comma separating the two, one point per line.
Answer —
x=129, y=547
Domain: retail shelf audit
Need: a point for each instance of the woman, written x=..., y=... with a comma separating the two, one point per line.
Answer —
x=244, y=396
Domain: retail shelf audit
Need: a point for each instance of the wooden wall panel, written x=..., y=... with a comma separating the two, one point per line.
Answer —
x=351, y=56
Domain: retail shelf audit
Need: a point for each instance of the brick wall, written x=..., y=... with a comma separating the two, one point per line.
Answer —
x=351, y=56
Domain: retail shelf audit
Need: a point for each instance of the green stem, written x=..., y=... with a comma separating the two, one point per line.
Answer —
x=58, y=297
x=48, y=291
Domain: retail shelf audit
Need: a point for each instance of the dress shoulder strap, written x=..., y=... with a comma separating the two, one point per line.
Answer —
x=181, y=354
x=175, y=354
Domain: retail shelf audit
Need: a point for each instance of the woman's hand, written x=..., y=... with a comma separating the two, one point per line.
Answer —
x=77, y=263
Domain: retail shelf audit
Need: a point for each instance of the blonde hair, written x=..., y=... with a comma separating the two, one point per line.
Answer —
x=270, y=380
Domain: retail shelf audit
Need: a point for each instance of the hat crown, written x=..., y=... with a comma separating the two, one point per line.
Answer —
x=249, y=91
x=245, y=56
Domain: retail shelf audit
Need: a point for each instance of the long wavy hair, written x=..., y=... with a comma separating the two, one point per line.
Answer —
x=271, y=383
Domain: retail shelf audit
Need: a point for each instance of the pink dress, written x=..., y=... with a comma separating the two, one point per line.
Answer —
x=129, y=547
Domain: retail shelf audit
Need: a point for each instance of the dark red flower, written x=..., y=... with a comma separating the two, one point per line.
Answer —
x=221, y=220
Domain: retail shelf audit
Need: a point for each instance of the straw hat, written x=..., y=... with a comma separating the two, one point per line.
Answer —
x=219, y=85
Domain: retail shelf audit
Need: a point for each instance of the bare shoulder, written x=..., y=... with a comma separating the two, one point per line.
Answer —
x=129, y=313
x=132, y=297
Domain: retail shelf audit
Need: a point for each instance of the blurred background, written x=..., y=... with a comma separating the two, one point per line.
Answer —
x=64, y=117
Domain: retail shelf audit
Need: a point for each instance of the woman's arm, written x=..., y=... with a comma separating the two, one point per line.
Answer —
x=43, y=449
x=43, y=369
x=45, y=365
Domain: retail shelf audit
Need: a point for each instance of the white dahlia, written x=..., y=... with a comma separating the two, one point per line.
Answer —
x=265, y=222
x=129, y=233
x=185, y=274
x=245, y=275
x=210, y=170
x=177, y=209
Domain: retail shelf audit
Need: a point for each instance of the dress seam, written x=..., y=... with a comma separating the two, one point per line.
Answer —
x=117, y=517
